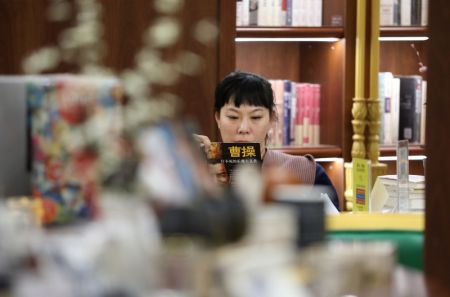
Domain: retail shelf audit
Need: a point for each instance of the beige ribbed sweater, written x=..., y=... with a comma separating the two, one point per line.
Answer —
x=301, y=167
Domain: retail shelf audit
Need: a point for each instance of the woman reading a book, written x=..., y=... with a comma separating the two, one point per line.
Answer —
x=245, y=112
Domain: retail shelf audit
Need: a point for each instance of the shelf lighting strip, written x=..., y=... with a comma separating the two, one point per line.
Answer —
x=403, y=38
x=323, y=39
x=332, y=159
x=394, y=158
x=286, y=39
x=384, y=158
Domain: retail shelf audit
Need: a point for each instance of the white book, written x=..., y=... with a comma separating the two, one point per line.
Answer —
x=387, y=13
x=387, y=112
x=299, y=10
x=309, y=14
x=297, y=13
x=395, y=109
x=405, y=12
x=264, y=13
x=317, y=8
x=245, y=20
x=239, y=12
x=424, y=13
x=279, y=18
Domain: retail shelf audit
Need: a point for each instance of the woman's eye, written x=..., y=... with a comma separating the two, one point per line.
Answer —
x=232, y=117
x=256, y=118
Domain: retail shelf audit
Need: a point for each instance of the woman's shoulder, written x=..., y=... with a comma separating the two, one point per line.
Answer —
x=303, y=167
x=274, y=156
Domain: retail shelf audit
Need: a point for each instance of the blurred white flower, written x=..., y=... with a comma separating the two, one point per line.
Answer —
x=164, y=32
x=168, y=6
x=189, y=63
x=43, y=59
x=205, y=31
x=135, y=84
x=59, y=11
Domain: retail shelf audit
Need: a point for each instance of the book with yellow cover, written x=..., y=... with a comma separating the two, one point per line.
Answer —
x=224, y=157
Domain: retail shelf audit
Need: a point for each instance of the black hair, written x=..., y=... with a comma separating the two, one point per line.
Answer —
x=244, y=88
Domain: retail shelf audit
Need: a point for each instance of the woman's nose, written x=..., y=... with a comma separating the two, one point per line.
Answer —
x=243, y=127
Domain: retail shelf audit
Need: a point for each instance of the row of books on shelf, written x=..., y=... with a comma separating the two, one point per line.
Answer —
x=403, y=105
x=308, y=13
x=277, y=13
x=298, y=108
x=404, y=12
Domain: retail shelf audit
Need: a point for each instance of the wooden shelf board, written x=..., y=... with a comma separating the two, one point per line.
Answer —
x=319, y=151
x=283, y=32
x=390, y=150
x=403, y=31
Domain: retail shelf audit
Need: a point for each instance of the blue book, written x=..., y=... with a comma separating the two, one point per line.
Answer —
x=287, y=112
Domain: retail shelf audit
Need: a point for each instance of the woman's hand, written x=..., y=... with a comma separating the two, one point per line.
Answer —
x=204, y=141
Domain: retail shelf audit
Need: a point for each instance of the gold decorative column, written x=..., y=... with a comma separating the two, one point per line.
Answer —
x=359, y=108
x=373, y=103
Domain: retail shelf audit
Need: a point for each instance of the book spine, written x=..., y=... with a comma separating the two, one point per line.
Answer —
x=245, y=13
x=396, y=12
x=300, y=110
x=286, y=112
x=423, y=113
x=253, y=12
x=381, y=92
x=417, y=108
x=405, y=12
x=424, y=13
x=409, y=117
x=386, y=13
x=264, y=13
x=395, y=106
x=307, y=115
x=387, y=111
x=317, y=13
x=283, y=8
x=239, y=13
x=289, y=12
x=293, y=112
x=415, y=12
x=316, y=115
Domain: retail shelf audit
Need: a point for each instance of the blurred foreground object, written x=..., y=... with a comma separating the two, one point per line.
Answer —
x=177, y=182
x=348, y=268
x=405, y=231
x=74, y=121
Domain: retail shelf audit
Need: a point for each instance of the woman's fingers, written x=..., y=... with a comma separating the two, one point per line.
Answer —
x=203, y=140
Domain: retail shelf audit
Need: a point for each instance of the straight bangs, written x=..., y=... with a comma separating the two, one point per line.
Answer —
x=251, y=93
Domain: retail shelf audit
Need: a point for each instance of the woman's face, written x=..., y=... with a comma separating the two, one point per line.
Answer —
x=246, y=123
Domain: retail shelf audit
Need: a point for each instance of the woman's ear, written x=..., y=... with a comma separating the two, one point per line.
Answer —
x=273, y=116
x=217, y=117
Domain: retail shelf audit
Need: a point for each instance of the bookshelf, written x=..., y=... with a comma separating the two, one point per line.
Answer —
x=400, y=57
x=331, y=64
x=299, y=60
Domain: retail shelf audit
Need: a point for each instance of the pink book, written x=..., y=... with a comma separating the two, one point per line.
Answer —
x=307, y=127
x=300, y=113
x=316, y=114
